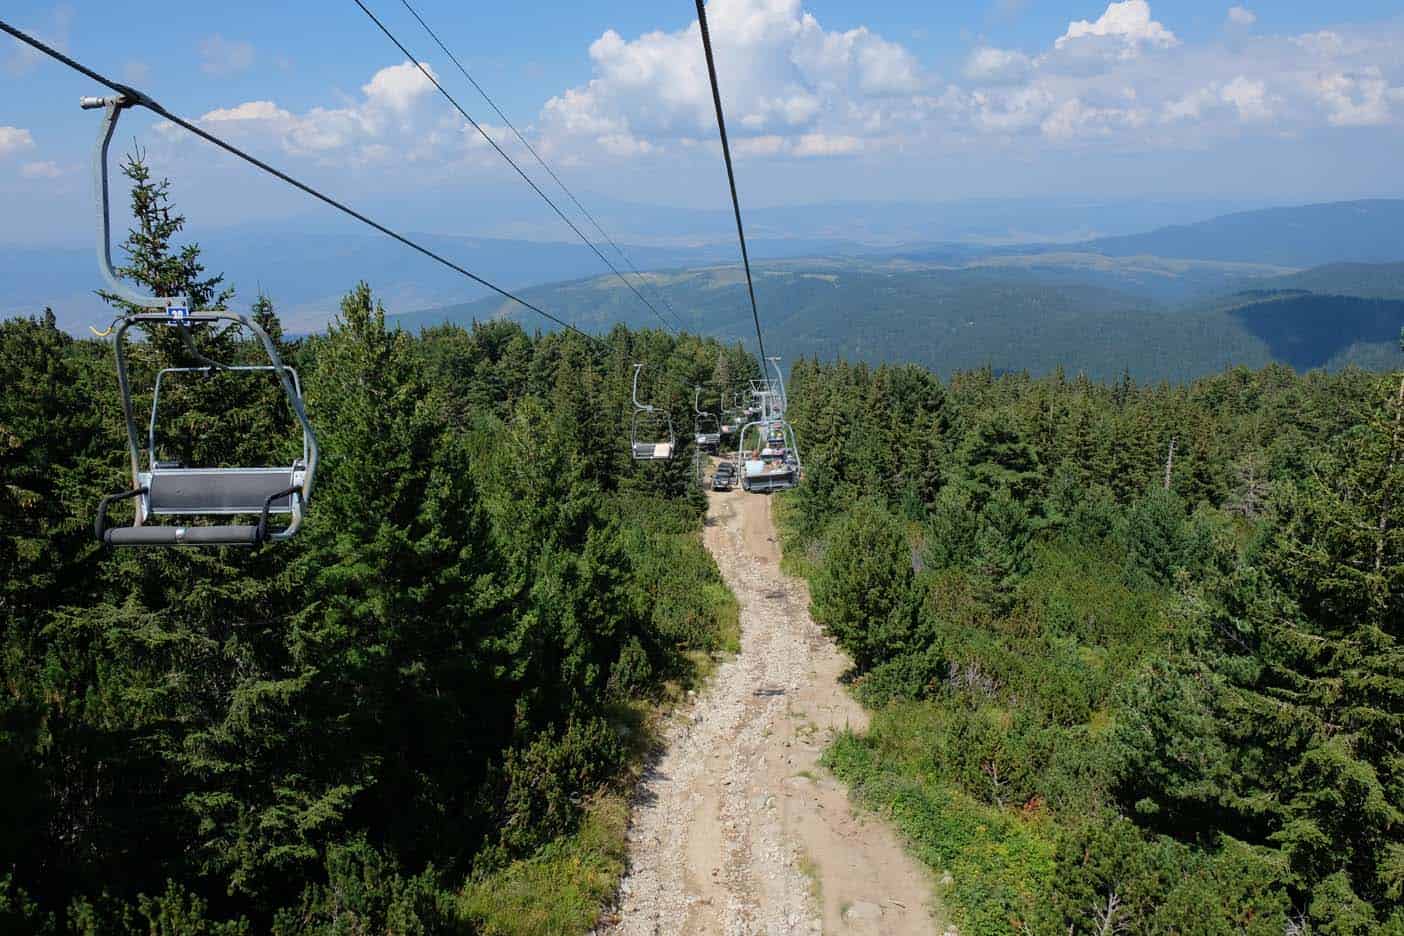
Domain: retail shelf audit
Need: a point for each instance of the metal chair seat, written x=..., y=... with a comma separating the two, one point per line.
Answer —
x=645, y=451
x=219, y=491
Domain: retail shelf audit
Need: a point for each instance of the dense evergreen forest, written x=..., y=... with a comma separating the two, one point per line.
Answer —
x=417, y=716
x=1133, y=651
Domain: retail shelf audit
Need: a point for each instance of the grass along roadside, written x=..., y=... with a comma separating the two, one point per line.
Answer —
x=988, y=862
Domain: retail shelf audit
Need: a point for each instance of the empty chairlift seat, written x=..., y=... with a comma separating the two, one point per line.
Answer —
x=706, y=426
x=169, y=489
x=219, y=491
x=651, y=450
x=650, y=430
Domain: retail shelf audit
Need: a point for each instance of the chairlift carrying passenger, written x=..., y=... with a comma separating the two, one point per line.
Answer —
x=650, y=431
x=169, y=489
x=776, y=465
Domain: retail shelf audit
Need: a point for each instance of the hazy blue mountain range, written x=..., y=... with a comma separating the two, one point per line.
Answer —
x=1366, y=280
x=1007, y=318
x=1309, y=235
x=1295, y=284
x=305, y=263
x=306, y=274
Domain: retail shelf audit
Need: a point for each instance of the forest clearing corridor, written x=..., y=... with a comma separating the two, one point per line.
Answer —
x=737, y=828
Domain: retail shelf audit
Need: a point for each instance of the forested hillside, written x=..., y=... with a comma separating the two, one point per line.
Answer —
x=419, y=715
x=1007, y=317
x=1364, y=280
x=1302, y=236
x=1133, y=650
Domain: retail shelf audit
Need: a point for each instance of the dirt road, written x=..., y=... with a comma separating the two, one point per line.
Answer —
x=737, y=829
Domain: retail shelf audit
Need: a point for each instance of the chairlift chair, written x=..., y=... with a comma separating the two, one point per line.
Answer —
x=647, y=426
x=168, y=489
x=731, y=415
x=778, y=466
x=706, y=427
x=772, y=468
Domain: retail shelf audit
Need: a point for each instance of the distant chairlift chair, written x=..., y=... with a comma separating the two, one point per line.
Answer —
x=647, y=426
x=167, y=489
x=732, y=416
x=706, y=427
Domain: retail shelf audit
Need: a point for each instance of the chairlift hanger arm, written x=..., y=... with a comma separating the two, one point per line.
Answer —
x=112, y=110
x=640, y=407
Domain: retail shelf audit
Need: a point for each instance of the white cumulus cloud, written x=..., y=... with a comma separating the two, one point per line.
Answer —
x=990, y=64
x=822, y=144
x=1356, y=100
x=389, y=122
x=41, y=170
x=783, y=76
x=1129, y=22
x=1249, y=97
x=250, y=110
x=223, y=57
x=1241, y=16
x=1009, y=110
x=14, y=139
x=398, y=87
x=1190, y=106
x=1075, y=119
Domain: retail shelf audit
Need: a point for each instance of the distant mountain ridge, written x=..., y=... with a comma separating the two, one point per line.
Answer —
x=1365, y=280
x=1009, y=319
x=1341, y=249
x=1305, y=236
x=306, y=274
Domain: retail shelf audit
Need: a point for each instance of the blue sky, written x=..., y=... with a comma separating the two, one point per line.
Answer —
x=881, y=101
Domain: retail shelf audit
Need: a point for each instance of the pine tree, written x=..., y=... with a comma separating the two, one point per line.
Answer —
x=864, y=593
x=995, y=456
x=1003, y=546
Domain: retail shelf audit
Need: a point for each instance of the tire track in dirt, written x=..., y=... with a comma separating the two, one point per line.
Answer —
x=736, y=829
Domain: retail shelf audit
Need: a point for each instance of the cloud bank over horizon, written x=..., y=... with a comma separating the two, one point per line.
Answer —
x=796, y=90
x=1114, y=99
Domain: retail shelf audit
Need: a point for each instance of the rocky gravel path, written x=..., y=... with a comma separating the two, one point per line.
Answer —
x=737, y=830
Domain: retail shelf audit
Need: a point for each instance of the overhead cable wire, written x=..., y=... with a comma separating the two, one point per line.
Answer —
x=730, y=173
x=510, y=161
x=541, y=161
x=141, y=99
